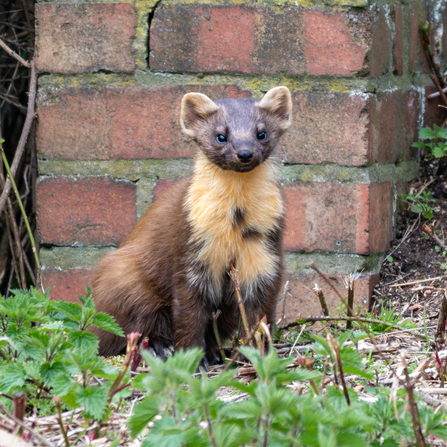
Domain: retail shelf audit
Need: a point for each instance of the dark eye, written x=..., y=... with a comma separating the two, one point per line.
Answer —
x=221, y=138
x=261, y=136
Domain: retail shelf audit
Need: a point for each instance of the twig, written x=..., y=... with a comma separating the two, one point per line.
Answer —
x=25, y=218
x=436, y=94
x=418, y=281
x=15, y=232
x=14, y=54
x=440, y=329
x=319, y=293
x=440, y=90
x=240, y=301
x=350, y=284
x=283, y=302
x=335, y=347
x=414, y=412
x=215, y=316
x=358, y=319
x=433, y=236
x=236, y=353
x=425, y=28
x=23, y=137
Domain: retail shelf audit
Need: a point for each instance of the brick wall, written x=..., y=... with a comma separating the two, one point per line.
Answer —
x=111, y=79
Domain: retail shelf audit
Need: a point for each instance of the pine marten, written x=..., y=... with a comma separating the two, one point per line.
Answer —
x=171, y=273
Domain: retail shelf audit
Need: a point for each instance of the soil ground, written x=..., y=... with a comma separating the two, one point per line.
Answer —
x=412, y=275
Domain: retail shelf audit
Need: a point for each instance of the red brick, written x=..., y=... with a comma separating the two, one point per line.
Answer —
x=261, y=40
x=327, y=128
x=380, y=220
x=85, y=37
x=301, y=302
x=331, y=49
x=87, y=210
x=398, y=46
x=396, y=123
x=417, y=60
x=120, y=123
x=67, y=285
x=338, y=217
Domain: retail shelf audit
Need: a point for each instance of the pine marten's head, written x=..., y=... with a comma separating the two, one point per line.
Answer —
x=237, y=134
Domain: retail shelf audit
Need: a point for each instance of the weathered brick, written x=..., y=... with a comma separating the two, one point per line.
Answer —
x=260, y=40
x=67, y=285
x=302, y=303
x=398, y=46
x=417, y=60
x=120, y=123
x=338, y=217
x=86, y=210
x=327, y=128
x=84, y=37
x=397, y=125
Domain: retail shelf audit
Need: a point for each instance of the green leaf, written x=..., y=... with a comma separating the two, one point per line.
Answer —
x=49, y=371
x=13, y=375
x=390, y=259
x=93, y=399
x=71, y=311
x=426, y=133
x=107, y=322
x=61, y=385
x=439, y=151
x=142, y=414
x=84, y=340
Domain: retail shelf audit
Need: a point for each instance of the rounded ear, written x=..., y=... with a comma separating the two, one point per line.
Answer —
x=195, y=109
x=278, y=102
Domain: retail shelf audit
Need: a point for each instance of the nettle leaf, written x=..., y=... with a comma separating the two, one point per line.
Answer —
x=49, y=371
x=93, y=399
x=107, y=322
x=83, y=298
x=83, y=340
x=71, y=311
x=62, y=384
x=142, y=414
x=13, y=375
x=166, y=433
x=232, y=435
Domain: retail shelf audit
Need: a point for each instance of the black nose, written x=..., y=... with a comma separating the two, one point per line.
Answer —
x=245, y=156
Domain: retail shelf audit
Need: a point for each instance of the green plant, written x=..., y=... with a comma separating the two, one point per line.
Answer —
x=387, y=316
x=185, y=411
x=46, y=351
x=421, y=204
x=435, y=143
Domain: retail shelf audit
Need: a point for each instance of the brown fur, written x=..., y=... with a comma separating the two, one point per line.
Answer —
x=171, y=273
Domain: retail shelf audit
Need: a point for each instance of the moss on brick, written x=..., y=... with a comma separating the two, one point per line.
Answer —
x=145, y=194
x=119, y=169
x=346, y=174
x=65, y=258
x=331, y=263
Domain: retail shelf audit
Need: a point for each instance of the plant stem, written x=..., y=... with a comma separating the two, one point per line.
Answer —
x=25, y=219
x=215, y=316
x=240, y=301
x=57, y=402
